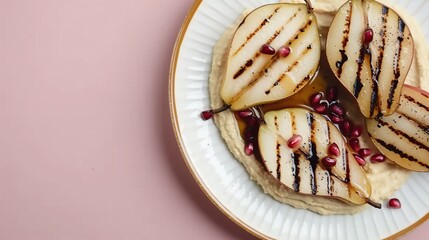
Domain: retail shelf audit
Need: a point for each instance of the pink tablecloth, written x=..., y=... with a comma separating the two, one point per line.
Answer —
x=87, y=149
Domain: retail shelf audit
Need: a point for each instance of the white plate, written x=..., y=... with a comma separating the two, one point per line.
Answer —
x=225, y=181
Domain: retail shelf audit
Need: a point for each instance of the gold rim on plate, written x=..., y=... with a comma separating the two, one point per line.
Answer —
x=175, y=123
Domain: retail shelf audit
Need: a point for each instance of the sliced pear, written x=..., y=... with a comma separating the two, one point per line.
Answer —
x=370, y=50
x=403, y=137
x=253, y=77
x=301, y=168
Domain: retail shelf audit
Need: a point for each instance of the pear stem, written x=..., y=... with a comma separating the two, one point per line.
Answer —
x=373, y=203
x=309, y=6
x=221, y=109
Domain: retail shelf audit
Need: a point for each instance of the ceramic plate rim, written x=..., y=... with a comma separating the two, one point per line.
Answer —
x=178, y=135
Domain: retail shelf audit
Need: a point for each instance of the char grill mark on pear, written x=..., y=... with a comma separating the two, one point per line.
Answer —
x=276, y=124
x=244, y=68
x=396, y=60
x=345, y=41
x=293, y=121
x=301, y=30
x=328, y=183
x=295, y=157
x=290, y=68
x=357, y=86
x=347, y=167
x=248, y=64
x=376, y=72
x=278, y=155
x=393, y=87
x=304, y=82
x=279, y=165
x=411, y=119
x=297, y=179
x=252, y=34
x=401, y=134
x=331, y=185
x=272, y=61
x=421, y=105
x=374, y=98
x=399, y=152
x=314, y=159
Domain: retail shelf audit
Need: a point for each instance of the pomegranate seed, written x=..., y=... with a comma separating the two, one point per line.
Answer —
x=248, y=149
x=345, y=127
x=329, y=162
x=368, y=36
x=294, y=141
x=331, y=94
x=359, y=160
x=245, y=114
x=335, y=118
x=334, y=150
x=315, y=99
x=337, y=109
x=322, y=108
x=284, y=51
x=378, y=158
x=267, y=49
x=206, y=115
x=249, y=134
x=364, y=152
x=354, y=144
x=394, y=203
x=356, y=131
x=252, y=121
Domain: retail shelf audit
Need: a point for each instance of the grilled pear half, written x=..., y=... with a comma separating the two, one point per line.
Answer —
x=301, y=169
x=254, y=77
x=370, y=50
x=404, y=136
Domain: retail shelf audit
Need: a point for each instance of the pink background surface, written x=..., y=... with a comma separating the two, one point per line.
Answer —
x=87, y=150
